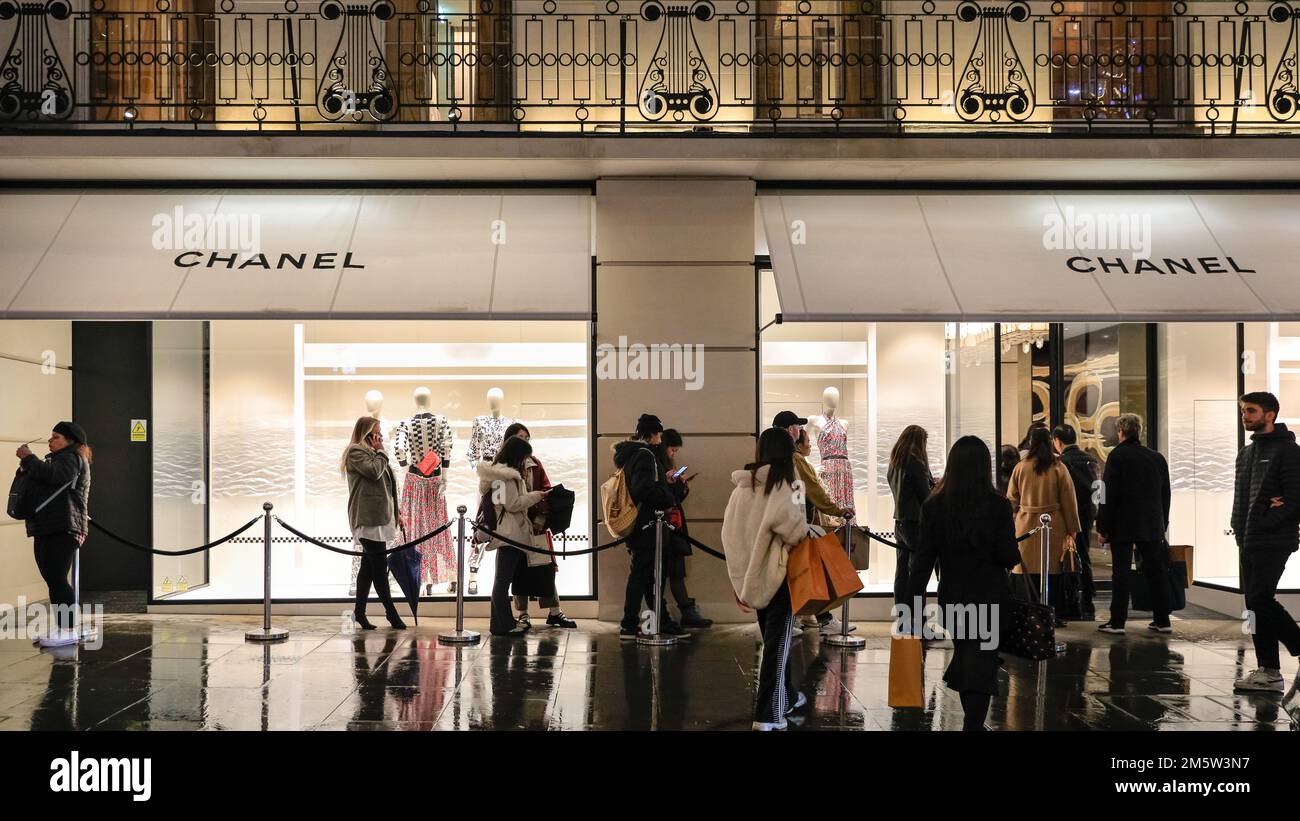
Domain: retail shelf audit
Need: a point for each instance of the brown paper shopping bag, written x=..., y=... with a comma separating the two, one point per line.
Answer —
x=842, y=579
x=806, y=576
x=905, y=672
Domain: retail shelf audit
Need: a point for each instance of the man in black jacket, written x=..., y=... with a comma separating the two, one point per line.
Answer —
x=1266, y=525
x=1083, y=472
x=1133, y=517
x=648, y=487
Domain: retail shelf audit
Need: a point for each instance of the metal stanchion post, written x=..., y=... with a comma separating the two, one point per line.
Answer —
x=658, y=639
x=1045, y=522
x=843, y=639
x=266, y=632
x=460, y=635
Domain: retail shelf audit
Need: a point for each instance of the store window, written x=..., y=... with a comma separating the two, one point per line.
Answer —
x=278, y=400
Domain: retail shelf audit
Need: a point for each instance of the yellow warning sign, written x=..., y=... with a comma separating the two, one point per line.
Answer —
x=139, y=430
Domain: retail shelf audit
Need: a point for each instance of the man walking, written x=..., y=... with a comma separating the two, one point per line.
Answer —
x=1266, y=525
x=1083, y=472
x=1133, y=517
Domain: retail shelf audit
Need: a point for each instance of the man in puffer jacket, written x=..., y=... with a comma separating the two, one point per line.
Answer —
x=1266, y=524
x=648, y=487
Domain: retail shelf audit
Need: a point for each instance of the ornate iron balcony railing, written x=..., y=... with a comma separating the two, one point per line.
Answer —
x=757, y=66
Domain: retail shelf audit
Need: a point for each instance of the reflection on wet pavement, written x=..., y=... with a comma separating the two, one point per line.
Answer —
x=197, y=673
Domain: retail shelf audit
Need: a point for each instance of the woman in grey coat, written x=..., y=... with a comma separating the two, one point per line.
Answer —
x=372, y=515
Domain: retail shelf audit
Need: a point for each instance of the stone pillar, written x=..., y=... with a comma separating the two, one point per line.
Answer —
x=675, y=265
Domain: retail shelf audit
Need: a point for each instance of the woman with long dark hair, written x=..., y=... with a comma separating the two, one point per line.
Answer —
x=909, y=482
x=501, y=484
x=62, y=484
x=763, y=520
x=1041, y=484
x=967, y=527
x=535, y=577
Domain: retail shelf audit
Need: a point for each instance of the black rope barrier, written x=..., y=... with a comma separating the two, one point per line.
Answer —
x=144, y=549
x=704, y=547
x=333, y=549
x=534, y=549
x=871, y=535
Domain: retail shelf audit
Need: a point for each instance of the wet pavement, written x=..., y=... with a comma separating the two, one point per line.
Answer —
x=164, y=672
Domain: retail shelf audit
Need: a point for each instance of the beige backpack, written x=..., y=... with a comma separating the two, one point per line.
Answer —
x=616, y=504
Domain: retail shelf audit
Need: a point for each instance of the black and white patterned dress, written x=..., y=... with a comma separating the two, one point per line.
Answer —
x=424, y=500
x=486, y=436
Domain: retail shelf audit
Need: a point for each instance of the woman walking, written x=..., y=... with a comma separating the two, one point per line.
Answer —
x=61, y=483
x=909, y=482
x=535, y=577
x=1041, y=484
x=501, y=484
x=372, y=515
x=967, y=527
x=763, y=520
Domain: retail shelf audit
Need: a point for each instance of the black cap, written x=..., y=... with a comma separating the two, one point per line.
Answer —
x=785, y=419
x=672, y=439
x=71, y=431
x=649, y=424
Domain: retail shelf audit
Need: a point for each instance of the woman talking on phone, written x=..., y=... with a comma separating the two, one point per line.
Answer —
x=373, y=515
x=61, y=484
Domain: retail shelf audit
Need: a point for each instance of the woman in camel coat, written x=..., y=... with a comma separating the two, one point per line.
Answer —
x=1041, y=484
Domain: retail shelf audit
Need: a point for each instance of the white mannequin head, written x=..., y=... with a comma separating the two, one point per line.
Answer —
x=495, y=396
x=374, y=403
x=831, y=398
x=421, y=396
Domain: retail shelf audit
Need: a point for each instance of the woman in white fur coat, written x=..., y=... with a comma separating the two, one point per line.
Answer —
x=501, y=483
x=763, y=520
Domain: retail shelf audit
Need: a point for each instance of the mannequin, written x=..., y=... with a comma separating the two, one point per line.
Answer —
x=832, y=434
x=374, y=403
x=424, y=498
x=485, y=438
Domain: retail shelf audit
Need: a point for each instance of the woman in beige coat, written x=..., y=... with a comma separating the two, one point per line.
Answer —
x=1041, y=484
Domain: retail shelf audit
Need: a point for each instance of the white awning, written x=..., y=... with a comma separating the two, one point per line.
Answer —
x=984, y=256
x=170, y=253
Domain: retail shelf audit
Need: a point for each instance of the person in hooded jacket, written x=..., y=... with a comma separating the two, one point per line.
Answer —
x=647, y=484
x=59, y=529
x=501, y=482
x=763, y=521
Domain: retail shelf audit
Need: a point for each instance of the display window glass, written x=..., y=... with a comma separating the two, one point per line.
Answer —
x=278, y=401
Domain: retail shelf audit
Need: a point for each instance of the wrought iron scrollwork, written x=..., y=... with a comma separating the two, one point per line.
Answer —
x=356, y=80
x=33, y=81
x=994, y=79
x=1282, y=92
x=678, y=79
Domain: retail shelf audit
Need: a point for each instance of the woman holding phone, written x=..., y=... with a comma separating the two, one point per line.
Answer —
x=372, y=514
x=677, y=549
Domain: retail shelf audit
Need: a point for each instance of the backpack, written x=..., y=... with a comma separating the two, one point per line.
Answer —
x=24, y=502
x=486, y=517
x=559, y=508
x=616, y=503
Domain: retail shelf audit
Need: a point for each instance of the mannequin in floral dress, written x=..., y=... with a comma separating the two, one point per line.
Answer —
x=833, y=446
x=485, y=438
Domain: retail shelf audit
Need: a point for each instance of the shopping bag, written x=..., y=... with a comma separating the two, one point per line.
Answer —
x=905, y=672
x=1029, y=630
x=842, y=580
x=1071, y=585
x=1140, y=591
x=809, y=593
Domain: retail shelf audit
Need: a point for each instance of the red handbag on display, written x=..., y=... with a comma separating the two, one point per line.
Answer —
x=430, y=465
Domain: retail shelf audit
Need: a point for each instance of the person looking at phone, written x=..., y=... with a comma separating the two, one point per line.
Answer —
x=678, y=547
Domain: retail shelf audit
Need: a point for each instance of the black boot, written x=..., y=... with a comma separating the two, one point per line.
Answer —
x=691, y=616
x=360, y=618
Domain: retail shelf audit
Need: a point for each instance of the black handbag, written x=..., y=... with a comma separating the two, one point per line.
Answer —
x=1140, y=591
x=1071, y=586
x=1029, y=630
x=559, y=508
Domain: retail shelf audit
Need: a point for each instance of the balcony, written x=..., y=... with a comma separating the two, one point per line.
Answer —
x=1191, y=68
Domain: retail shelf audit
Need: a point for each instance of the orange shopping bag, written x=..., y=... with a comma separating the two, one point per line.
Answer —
x=806, y=576
x=842, y=579
x=905, y=672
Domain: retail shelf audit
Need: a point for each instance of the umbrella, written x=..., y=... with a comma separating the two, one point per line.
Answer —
x=405, y=567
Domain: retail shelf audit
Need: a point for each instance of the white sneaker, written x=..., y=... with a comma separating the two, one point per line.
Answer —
x=60, y=638
x=834, y=626
x=1261, y=680
x=800, y=701
x=808, y=621
x=796, y=631
x=764, y=726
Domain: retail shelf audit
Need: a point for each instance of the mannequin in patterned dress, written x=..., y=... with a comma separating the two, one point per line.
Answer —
x=832, y=434
x=424, y=500
x=485, y=438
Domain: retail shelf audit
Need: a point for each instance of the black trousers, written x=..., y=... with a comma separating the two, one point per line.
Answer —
x=775, y=681
x=640, y=587
x=1081, y=541
x=373, y=571
x=508, y=561
x=1155, y=566
x=905, y=534
x=1261, y=570
x=54, y=554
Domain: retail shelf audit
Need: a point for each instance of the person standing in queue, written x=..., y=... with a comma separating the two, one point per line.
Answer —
x=1041, y=484
x=501, y=483
x=373, y=516
x=762, y=522
x=967, y=527
x=1083, y=472
x=910, y=482
x=649, y=489
x=1266, y=525
x=817, y=506
x=675, y=558
x=61, y=481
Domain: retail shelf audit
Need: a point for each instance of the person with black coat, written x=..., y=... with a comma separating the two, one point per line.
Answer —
x=1266, y=526
x=648, y=487
x=1083, y=472
x=62, y=482
x=967, y=527
x=1133, y=517
x=910, y=482
x=677, y=546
